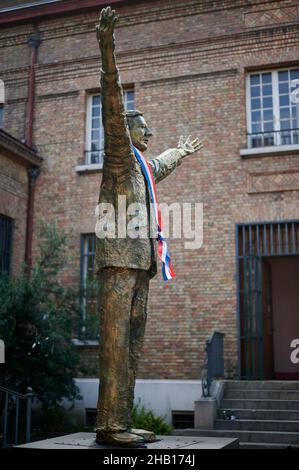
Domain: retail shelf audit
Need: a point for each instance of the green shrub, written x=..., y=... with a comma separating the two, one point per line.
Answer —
x=146, y=419
x=37, y=313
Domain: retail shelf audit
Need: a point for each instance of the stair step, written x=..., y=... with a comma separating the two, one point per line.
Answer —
x=258, y=425
x=287, y=415
x=289, y=438
x=254, y=404
x=262, y=385
x=262, y=394
x=266, y=445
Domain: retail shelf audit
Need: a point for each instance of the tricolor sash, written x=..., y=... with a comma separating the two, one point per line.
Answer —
x=147, y=171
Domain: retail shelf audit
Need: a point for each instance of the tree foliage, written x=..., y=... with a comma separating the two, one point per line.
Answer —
x=37, y=314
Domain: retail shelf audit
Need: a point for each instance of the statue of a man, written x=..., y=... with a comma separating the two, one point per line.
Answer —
x=124, y=264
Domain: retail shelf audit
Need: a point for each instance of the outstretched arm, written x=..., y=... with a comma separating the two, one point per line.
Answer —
x=118, y=152
x=167, y=162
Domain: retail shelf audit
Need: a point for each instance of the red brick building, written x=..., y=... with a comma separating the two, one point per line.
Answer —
x=224, y=70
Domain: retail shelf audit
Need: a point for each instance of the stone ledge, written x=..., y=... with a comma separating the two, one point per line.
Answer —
x=86, y=440
x=89, y=168
x=269, y=151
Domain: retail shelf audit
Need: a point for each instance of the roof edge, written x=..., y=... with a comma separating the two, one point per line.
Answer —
x=56, y=8
x=12, y=146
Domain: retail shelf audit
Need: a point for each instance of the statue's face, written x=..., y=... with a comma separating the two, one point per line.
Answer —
x=140, y=133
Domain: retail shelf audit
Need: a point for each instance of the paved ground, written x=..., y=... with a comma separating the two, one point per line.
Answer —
x=85, y=440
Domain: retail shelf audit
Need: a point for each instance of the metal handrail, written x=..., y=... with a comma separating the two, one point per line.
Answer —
x=28, y=397
x=214, y=361
x=275, y=137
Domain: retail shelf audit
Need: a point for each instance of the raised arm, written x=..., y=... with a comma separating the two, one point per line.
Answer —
x=118, y=151
x=165, y=163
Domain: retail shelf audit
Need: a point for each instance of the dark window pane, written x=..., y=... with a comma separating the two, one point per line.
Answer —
x=255, y=103
x=95, y=145
x=96, y=111
x=285, y=113
x=268, y=115
x=256, y=116
x=96, y=100
x=255, y=91
x=283, y=88
x=256, y=128
x=267, y=90
x=294, y=111
x=268, y=126
x=130, y=106
x=95, y=135
x=295, y=74
x=94, y=158
x=95, y=124
x=283, y=76
x=130, y=95
x=285, y=124
x=267, y=102
x=267, y=78
x=284, y=100
x=254, y=79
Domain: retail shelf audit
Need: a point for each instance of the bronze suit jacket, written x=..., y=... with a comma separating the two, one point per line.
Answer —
x=122, y=176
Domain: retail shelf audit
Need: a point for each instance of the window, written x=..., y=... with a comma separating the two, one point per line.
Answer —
x=272, y=111
x=5, y=243
x=95, y=133
x=89, y=291
x=1, y=115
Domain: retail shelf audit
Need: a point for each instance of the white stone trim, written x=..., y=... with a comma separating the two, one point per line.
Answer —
x=89, y=168
x=271, y=150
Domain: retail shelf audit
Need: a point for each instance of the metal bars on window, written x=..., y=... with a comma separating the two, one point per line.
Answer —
x=6, y=225
x=273, y=108
x=89, y=288
x=253, y=243
x=268, y=239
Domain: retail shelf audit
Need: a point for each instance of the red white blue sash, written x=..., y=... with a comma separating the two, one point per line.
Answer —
x=147, y=171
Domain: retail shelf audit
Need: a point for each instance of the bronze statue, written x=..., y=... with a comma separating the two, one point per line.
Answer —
x=124, y=264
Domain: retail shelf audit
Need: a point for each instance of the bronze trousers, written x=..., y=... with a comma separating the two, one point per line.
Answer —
x=123, y=295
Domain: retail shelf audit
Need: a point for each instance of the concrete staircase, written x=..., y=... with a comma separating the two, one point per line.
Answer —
x=267, y=414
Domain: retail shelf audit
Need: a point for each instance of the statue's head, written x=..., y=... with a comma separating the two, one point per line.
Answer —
x=139, y=131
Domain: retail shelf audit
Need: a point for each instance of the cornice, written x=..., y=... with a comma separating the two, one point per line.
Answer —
x=85, y=23
x=11, y=146
x=208, y=48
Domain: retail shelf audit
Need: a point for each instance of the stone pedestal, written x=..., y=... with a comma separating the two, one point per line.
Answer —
x=86, y=440
x=205, y=413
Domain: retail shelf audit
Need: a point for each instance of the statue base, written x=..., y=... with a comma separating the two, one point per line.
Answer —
x=86, y=440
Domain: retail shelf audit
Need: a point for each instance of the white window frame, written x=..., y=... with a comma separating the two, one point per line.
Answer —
x=1, y=115
x=129, y=104
x=276, y=106
x=84, y=256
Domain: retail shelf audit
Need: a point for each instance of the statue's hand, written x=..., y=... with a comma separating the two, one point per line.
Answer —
x=105, y=27
x=187, y=147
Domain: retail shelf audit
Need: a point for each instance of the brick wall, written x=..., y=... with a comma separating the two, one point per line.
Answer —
x=188, y=62
x=13, y=204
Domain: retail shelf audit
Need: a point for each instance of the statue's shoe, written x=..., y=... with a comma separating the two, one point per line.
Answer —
x=148, y=436
x=121, y=439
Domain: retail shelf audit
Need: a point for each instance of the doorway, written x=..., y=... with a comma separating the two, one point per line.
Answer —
x=281, y=314
x=268, y=299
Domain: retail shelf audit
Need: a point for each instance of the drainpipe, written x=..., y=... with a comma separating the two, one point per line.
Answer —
x=32, y=176
x=34, y=42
